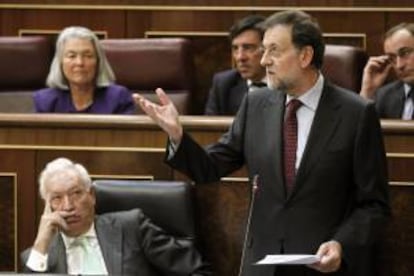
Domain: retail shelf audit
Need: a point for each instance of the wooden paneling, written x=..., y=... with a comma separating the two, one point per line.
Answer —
x=8, y=217
x=399, y=234
x=12, y=21
x=221, y=212
x=20, y=164
x=133, y=147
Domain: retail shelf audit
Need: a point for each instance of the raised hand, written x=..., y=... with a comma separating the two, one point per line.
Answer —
x=164, y=114
x=50, y=223
x=375, y=72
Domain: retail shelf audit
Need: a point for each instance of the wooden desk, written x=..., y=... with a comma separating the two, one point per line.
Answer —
x=133, y=147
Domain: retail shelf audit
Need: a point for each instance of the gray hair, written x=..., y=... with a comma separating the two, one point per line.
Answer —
x=62, y=165
x=104, y=75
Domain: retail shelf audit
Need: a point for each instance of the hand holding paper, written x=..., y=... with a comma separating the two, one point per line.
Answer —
x=330, y=257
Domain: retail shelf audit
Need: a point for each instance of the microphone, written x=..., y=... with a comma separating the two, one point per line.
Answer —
x=253, y=192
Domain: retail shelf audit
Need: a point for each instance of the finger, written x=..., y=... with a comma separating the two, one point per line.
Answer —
x=142, y=102
x=322, y=250
x=136, y=97
x=379, y=66
x=164, y=99
x=150, y=109
x=139, y=99
x=62, y=223
x=47, y=209
x=378, y=63
x=388, y=68
x=59, y=219
x=379, y=58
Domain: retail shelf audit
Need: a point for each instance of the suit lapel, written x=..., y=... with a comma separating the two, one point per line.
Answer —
x=237, y=94
x=57, y=256
x=273, y=114
x=110, y=240
x=397, y=102
x=323, y=127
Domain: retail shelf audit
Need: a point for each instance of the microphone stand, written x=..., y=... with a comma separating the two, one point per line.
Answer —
x=253, y=191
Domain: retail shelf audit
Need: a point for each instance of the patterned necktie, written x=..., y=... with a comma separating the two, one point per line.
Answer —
x=290, y=141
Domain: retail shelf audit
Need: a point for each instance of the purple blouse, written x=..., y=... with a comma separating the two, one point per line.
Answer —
x=114, y=99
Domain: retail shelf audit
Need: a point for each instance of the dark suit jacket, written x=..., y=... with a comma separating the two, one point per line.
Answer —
x=390, y=100
x=341, y=189
x=132, y=245
x=226, y=93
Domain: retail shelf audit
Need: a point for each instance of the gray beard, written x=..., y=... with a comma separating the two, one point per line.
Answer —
x=283, y=87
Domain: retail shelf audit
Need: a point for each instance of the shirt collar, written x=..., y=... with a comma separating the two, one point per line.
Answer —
x=91, y=233
x=407, y=89
x=311, y=97
x=250, y=82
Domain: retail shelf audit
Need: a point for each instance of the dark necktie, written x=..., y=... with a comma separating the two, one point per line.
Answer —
x=290, y=141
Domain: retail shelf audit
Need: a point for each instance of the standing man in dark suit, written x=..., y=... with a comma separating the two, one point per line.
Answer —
x=72, y=240
x=229, y=87
x=328, y=195
x=396, y=99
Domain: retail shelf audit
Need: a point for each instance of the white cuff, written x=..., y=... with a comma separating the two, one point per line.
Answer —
x=37, y=261
x=172, y=148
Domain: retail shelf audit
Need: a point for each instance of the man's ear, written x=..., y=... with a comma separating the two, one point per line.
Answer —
x=306, y=56
x=92, y=193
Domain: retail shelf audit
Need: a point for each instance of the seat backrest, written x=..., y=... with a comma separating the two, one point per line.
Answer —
x=343, y=65
x=25, y=62
x=24, y=66
x=142, y=65
x=169, y=204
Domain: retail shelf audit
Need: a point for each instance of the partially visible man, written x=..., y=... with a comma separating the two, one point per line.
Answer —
x=72, y=240
x=230, y=86
x=396, y=99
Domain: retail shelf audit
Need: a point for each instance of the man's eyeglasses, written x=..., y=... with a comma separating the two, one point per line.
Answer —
x=402, y=53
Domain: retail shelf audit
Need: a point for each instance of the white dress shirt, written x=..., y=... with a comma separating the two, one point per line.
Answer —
x=253, y=87
x=305, y=115
x=408, y=104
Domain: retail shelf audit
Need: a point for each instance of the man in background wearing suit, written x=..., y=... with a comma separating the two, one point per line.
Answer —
x=394, y=100
x=230, y=86
x=321, y=170
x=72, y=240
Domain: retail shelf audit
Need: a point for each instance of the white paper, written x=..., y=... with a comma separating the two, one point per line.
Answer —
x=288, y=259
